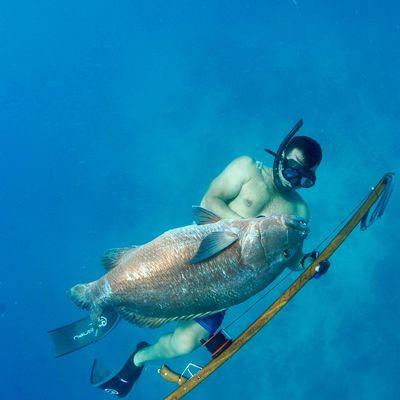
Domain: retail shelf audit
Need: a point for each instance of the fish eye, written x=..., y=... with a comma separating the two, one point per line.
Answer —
x=286, y=253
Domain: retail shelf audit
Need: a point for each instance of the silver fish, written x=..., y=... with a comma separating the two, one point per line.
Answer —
x=195, y=270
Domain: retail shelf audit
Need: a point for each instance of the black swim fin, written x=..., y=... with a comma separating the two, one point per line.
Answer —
x=118, y=384
x=82, y=333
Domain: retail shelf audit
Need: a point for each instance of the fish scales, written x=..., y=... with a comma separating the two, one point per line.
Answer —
x=160, y=273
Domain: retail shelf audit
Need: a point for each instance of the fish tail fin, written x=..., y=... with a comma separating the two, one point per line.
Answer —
x=81, y=295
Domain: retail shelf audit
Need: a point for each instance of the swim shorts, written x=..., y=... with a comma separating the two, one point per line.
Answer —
x=211, y=323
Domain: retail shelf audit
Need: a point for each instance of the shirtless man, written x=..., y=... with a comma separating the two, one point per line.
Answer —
x=244, y=189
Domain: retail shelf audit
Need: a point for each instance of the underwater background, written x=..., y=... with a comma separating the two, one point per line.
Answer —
x=114, y=119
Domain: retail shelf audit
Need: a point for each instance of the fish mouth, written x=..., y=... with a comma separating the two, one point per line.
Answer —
x=297, y=224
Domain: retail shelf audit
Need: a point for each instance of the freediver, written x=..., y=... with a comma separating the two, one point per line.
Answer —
x=246, y=188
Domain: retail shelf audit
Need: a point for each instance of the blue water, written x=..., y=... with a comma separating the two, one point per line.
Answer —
x=114, y=119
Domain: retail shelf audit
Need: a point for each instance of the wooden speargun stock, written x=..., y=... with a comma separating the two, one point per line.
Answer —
x=290, y=292
x=171, y=376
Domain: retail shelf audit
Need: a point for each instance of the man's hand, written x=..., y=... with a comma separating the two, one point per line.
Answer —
x=321, y=269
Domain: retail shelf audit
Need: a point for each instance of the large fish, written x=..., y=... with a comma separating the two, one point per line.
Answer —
x=195, y=270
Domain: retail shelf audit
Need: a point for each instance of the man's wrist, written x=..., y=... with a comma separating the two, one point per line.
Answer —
x=309, y=258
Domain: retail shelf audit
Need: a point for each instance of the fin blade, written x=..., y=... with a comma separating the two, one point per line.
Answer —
x=99, y=373
x=81, y=333
x=113, y=256
x=203, y=216
x=213, y=244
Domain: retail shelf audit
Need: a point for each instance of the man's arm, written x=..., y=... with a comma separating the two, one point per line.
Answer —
x=226, y=187
x=304, y=211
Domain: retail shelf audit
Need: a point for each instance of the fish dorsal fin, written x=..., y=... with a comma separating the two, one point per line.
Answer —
x=112, y=256
x=203, y=216
x=213, y=244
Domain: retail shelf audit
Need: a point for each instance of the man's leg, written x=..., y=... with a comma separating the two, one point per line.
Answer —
x=186, y=338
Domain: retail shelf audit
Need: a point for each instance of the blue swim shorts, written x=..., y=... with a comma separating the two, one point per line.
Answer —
x=211, y=323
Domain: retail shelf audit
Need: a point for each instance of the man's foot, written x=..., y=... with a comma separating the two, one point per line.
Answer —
x=137, y=358
x=121, y=383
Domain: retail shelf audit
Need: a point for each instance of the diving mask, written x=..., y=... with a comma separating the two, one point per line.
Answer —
x=297, y=175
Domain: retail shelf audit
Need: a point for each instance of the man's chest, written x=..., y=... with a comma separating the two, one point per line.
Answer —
x=252, y=199
x=256, y=198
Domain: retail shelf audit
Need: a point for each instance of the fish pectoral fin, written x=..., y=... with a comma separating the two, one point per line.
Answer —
x=203, y=216
x=112, y=256
x=213, y=244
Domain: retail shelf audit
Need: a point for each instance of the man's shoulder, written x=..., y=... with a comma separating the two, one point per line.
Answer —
x=244, y=162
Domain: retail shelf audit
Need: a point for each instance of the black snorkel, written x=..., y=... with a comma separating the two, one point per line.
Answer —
x=279, y=157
